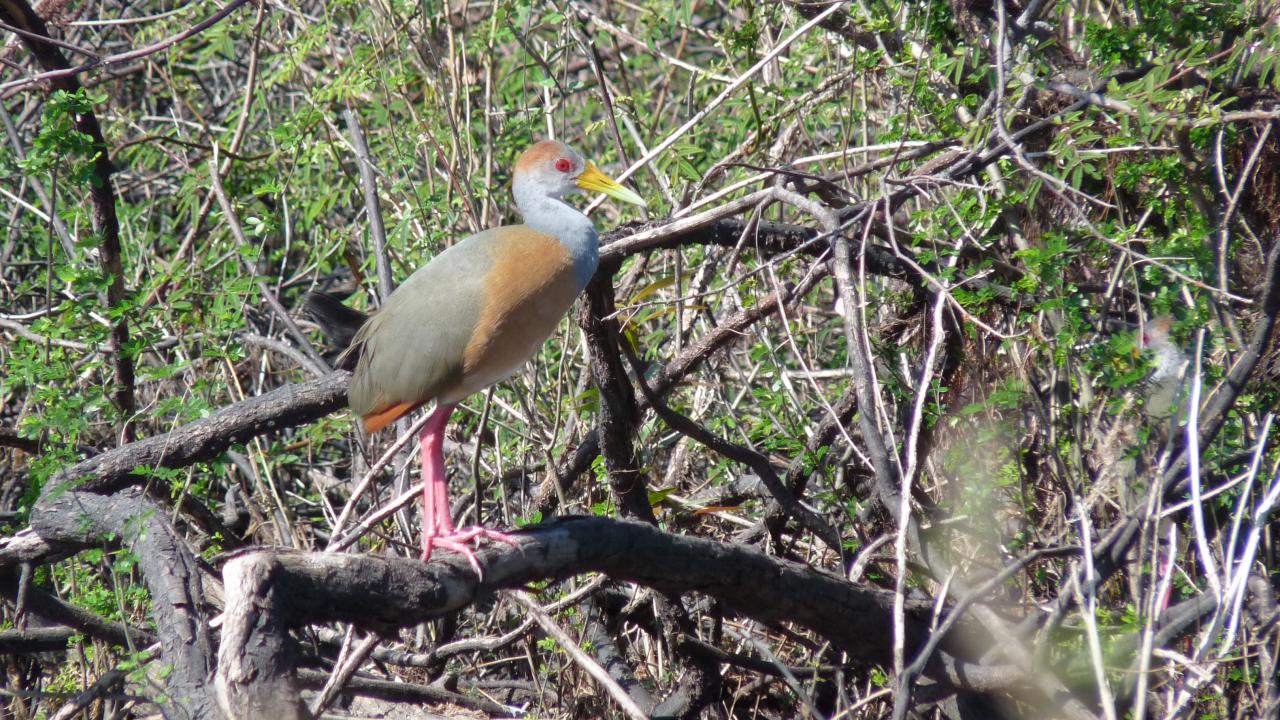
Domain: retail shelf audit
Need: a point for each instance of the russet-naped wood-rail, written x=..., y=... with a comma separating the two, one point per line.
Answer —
x=472, y=317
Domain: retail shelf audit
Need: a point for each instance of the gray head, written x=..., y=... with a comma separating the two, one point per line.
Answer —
x=551, y=169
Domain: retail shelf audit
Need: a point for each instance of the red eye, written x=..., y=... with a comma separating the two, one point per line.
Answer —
x=564, y=165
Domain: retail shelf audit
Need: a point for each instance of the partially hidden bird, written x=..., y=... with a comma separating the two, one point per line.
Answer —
x=1168, y=362
x=471, y=317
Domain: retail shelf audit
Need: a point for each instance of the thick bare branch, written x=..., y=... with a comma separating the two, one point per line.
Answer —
x=269, y=592
x=205, y=439
x=131, y=519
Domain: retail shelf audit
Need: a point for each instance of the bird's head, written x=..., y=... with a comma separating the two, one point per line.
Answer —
x=553, y=169
x=1166, y=356
x=1155, y=335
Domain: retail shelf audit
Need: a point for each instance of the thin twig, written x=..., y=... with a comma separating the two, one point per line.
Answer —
x=585, y=661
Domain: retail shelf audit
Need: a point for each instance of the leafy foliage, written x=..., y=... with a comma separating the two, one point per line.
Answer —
x=1128, y=170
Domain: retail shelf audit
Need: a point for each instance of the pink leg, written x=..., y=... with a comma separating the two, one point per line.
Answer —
x=437, y=523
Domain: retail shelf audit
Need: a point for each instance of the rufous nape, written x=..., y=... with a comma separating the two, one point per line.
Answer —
x=471, y=317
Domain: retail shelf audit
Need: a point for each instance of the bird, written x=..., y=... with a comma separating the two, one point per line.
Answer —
x=470, y=318
x=1168, y=362
x=1131, y=437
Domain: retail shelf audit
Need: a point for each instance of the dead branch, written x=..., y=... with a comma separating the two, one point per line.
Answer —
x=269, y=592
x=131, y=519
x=284, y=407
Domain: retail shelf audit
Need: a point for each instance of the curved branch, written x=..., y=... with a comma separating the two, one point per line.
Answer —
x=171, y=575
x=268, y=592
x=64, y=72
x=205, y=439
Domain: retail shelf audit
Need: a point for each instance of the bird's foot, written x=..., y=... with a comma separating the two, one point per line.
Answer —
x=459, y=541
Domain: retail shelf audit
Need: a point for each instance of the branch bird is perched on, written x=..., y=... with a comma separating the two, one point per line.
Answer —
x=472, y=317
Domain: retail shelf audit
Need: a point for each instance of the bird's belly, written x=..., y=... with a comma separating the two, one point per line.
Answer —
x=499, y=350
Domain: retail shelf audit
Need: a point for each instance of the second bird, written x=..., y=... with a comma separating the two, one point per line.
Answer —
x=472, y=317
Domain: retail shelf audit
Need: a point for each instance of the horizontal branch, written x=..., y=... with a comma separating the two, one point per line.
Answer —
x=405, y=692
x=35, y=640
x=77, y=620
x=715, y=227
x=268, y=592
x=205, y=439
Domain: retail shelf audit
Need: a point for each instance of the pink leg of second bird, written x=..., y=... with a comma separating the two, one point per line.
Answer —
x=437, y=522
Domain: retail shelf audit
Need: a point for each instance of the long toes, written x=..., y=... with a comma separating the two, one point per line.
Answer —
x=460, y=541
x=450, y=543
x=476, y=533
x=466, y=535
x=511, y=540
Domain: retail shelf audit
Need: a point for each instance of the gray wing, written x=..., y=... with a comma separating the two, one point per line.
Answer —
x=411, y=349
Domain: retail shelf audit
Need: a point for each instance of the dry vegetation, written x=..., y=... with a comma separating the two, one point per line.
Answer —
x=864, y=410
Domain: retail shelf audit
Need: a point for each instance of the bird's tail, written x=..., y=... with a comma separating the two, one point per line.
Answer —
x=338, y=322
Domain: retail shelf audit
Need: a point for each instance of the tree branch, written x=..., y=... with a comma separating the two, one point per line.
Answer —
x=205, y=439
x=268, y=592
x=618, y=409
x=169, y=569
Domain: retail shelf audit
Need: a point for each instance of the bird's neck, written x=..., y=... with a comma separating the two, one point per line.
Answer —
x=567, y=224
